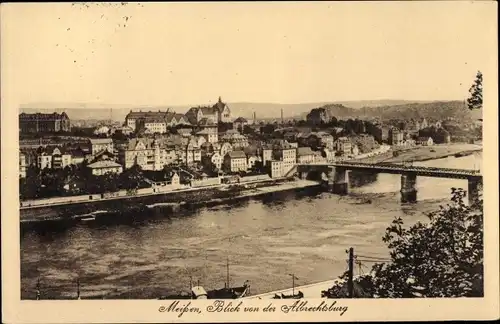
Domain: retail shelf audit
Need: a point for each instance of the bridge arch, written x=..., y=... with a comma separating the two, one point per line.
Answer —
x=315, y=175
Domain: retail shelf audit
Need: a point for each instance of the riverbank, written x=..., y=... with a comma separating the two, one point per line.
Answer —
x=424, y=153
x=173, y=202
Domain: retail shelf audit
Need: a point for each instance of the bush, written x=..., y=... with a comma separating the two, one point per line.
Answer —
x=443, y=258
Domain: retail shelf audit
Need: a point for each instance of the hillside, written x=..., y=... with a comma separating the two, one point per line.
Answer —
x=438, y=110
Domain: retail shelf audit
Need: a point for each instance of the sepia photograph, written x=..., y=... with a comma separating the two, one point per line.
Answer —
x=298, y=156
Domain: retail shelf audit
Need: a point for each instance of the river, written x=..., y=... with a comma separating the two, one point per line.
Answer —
x=263, y=240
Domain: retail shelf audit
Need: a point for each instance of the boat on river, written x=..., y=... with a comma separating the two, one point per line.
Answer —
x=298, y=295
x=197, y=292
x=229, y=292
x=294, y=295
x=462, y=154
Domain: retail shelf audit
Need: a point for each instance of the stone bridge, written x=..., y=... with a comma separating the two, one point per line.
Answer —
x=337, y=175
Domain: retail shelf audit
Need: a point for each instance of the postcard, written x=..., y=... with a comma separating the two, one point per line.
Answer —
x=249, y=161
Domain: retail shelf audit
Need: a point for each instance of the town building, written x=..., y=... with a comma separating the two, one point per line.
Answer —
x=30, y=156
x=276, y=169
x=77, y=156
x=326, y=154
x=225, y=148
x=267, y=155
x=324, y=139
x=379, y=132
x=174, y=119
x=236, y=140
x=131, y=120
x=343, y=146
x=191, y=153
x=22, y=165
x=318, y=157
x=100, y=168
x=146, y=153
x=396, y=137
x=53, y=158
x=215, y=160
x=40, y=123
x=239, y=124
x=286, y=154
x=252, y=160
x=425, y=141
x=305, y=155
x=219, y=112
x=235, y=161
x=210, y=134
x=211, y=159
x=274, y=142
x=103, y=130
x=104, y=155
x=290, y=135
x=153, y=125
x=100, y=144
x=125, y=130
x=154, y=121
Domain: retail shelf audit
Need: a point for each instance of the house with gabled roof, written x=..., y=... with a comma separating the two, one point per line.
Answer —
x=100, y=144
x=219, y=112
x=103, y=167
x=235, y=161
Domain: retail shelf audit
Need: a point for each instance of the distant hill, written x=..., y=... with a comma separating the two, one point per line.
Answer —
x=434, y=110
x=239, y=109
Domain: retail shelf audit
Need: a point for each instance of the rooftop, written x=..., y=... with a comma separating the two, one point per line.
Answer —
x=100, y=140
x=104, y=164
x=237, y=155
x=302, y=151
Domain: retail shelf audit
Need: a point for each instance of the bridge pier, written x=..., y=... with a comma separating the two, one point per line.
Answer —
x=474, y=185
x=338, y=180
x=408, y=187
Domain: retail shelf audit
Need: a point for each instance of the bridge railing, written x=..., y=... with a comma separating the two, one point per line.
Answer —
x=393, y=166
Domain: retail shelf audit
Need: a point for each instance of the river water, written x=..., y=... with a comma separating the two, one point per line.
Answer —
x=263, y=240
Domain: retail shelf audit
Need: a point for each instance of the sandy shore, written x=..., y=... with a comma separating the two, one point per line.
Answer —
x=424, y=153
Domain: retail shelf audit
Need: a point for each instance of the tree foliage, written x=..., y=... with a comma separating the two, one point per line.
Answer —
x=475, y=100
x=441, y=258
x=75, y=180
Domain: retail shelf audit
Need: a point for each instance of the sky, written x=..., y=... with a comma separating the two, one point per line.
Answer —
x=192, y=53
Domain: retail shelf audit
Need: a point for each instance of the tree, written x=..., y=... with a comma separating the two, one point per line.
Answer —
x=268, y=129
x=443, y=258
x=475, y=100
x=132, y=178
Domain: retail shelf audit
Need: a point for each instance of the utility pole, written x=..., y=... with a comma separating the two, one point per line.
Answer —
x=227, y=274
x=350, y=283
x=38, y=289
x=293, y=282
x=78, y=288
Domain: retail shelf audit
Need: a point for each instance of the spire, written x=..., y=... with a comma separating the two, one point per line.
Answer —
x=220, y=99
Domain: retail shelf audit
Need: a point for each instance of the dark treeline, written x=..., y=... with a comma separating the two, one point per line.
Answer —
x=76, y=180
